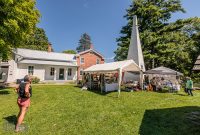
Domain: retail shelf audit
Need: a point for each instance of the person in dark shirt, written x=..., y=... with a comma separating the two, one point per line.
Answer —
x=24, y=91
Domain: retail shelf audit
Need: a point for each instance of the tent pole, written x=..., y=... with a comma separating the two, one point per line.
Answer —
x=90, y=81
x=119, y=81
x=141, y=79
x=101, y=83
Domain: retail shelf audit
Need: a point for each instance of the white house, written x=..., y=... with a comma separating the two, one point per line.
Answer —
x=48, y=66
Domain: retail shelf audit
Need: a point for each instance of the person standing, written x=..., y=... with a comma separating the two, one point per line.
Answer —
x=153, y=83
x=189, y=86
x=24, y=91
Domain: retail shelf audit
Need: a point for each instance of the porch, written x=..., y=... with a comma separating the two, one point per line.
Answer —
x=60, y=74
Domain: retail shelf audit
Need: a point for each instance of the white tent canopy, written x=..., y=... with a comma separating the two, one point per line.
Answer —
x=127, y=65
x=163, y=71
x=120, y=66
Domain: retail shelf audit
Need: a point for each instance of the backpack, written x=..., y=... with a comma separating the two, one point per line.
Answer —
x=22, y=93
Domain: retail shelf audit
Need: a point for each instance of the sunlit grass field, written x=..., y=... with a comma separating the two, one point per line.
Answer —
x=65, y=109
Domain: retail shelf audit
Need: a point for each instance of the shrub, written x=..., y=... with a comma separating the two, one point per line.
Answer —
x=35, y=80
x=79, y=83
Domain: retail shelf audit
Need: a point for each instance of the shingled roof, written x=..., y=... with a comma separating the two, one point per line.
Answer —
x=44, y=58
x=43, y=55
x=197, y=64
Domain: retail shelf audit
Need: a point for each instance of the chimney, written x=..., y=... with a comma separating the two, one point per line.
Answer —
x=91, y=46
x=49, y=47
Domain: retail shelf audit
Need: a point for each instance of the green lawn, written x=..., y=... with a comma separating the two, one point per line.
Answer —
x=61, y=109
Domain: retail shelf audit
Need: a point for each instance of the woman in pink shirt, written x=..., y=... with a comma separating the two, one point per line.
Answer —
x=24, y=91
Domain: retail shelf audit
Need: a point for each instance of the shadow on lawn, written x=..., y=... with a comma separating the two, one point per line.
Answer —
x=103, y=93
x=171, y=121
x=94, y=91
x=108, y=94
x=4, y=92
x=11, y=119
x=180, y=94
x=98, y=92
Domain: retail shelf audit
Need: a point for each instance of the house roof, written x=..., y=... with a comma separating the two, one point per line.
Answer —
x=127, y=65
x=196, y=67
x=197, y=64
x=89, y=50
x=43, y=55
x=43, y=62
x=198, y=58
x=163, y=70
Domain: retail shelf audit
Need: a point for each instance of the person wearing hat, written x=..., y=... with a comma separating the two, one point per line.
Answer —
x=24, y=91
x=189, y=86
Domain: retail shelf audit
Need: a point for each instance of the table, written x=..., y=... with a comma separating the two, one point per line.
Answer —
x=111, y=87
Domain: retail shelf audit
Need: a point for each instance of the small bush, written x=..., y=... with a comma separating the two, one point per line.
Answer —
x=79, y=83
x=35, y=80
x=196, y=77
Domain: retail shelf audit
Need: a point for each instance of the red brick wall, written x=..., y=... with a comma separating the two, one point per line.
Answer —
x=90, y=59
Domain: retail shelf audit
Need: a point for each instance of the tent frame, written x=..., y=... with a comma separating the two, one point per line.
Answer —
x=119, y=71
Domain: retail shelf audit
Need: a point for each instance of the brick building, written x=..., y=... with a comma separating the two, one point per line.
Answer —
x=86, y=59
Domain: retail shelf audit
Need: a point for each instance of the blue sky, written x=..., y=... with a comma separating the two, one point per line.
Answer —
x=66, y=20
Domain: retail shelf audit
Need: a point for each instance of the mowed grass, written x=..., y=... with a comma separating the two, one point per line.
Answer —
x=62, y=109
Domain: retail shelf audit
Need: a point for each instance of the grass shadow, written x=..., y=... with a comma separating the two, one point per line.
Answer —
x=4, y=92
x=94, y=91
x=171, y=121
x=76, y=86
x=180, y=94
x=11, y=119
x=108, y=94
x=98, y=92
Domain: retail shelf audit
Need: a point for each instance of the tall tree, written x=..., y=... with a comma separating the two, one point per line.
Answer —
x=69, y=51
x=18, y=18
x=176, y=48
x=84, y=43
x=37, y=40
x=163, y=43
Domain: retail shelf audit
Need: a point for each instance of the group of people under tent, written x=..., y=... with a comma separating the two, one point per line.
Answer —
x=160, y=83
x=156, y=83
x=132, y=85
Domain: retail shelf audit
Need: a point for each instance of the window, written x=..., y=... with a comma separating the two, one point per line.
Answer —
x=30, y=70
x=98, y=61
x=69, y=73
x=1, y=75
x=82, y=60
x=81, y=71
x=52, y=71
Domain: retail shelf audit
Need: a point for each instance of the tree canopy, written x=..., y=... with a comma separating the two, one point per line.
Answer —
x=171, y=44
x=36, y=41
x=84, y=43
x=69, y=51
x=18, y=18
